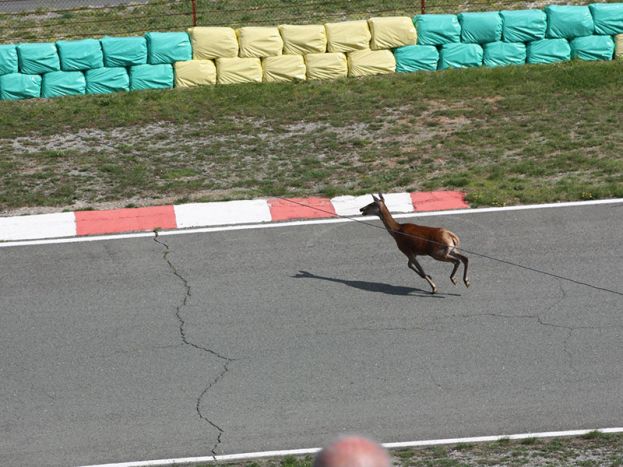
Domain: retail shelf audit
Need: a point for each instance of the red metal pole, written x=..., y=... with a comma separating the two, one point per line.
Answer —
x=194, y=2
x=423, y=6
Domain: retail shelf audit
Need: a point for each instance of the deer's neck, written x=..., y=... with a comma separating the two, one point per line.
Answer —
x=390, y=223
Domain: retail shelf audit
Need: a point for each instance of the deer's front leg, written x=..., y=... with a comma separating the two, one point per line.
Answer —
x=413, y=264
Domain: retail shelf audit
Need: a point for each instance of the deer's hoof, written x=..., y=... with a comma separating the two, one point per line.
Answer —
x=466, y=282
x=453, y=280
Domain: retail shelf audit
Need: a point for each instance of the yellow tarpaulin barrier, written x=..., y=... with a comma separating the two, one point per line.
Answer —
x=618, y=49
x=238, y=70
x=347, y=36
x=260, y=42
x=284, y=68
x=213, y=42
x=303, y=39
x=194, y=73
x=391, y=32
x=371, y=62
x=326, y=66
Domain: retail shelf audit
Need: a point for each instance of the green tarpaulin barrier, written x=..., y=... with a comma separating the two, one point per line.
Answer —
x=36, y=59
x=480, y=28
x=523, y=25
x=548, y=51
x=107, y=80
x=80, y=55
x=124, y=51
x=608, y=18
x=8, y=59
x=168, y=47
x=151, y=77
x=437, y=29
x=504, y=53
x=63, y=83
x=460, y=56
x=592, y=48
x=19, y=86
x=416, y=58
x=567, y=21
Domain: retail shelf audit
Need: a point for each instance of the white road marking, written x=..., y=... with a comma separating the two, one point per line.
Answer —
x=304, y=222
x=302, y=452
x=226, y=212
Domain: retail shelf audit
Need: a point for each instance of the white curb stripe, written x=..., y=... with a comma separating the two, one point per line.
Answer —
x=222, y=213
x=61, y=224
x=350, y=205
x=409, y=444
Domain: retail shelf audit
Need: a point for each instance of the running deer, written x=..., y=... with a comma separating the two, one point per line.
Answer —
x=417, y=240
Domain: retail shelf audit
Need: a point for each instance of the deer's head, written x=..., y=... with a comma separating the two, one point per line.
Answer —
x=374, y=208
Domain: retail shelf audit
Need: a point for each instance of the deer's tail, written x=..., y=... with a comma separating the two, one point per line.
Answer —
x=455, y=239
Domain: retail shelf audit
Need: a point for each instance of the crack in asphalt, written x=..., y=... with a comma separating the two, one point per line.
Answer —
x=182, y=330
x=565, y=342
x=433, y=378
x=219, y=430
x=539, y=319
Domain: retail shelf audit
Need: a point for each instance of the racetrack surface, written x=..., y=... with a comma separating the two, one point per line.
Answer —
x=281, y=338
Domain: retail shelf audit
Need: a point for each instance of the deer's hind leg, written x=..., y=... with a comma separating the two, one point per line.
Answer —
x=415, y=266
x=465, y=262
x=456, y=263
x=449, y=254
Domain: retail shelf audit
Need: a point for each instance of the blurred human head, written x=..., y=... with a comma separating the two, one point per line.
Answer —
x=353, y=451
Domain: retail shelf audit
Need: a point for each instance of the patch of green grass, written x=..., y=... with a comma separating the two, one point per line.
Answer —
x=297, y=462
x=439, y=452
x=595, y=435
x=404, y=454
x=179, y=173
x=528, y=441
x=475, y=130
x=553, y=445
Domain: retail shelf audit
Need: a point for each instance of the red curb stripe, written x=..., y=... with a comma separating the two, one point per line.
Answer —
x=125, y=220
x=438, y=200
x=315, y=208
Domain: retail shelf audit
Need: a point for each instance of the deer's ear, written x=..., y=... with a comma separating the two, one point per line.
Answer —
x=375, y=198
x=381, y=197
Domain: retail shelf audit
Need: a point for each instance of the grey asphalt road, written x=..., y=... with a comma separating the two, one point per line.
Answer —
x=281, y=338
x=17, y=6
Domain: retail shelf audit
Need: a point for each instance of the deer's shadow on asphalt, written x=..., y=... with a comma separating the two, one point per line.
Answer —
x=378, y=287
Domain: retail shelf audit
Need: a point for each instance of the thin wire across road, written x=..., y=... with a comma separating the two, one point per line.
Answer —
x=468, y=251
